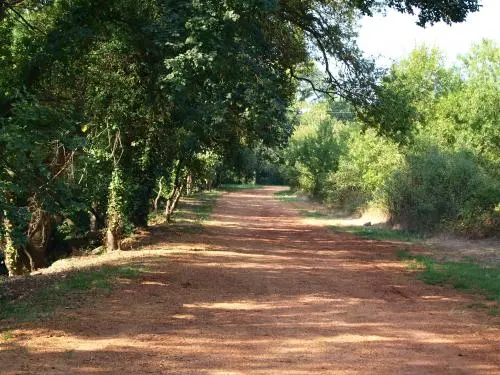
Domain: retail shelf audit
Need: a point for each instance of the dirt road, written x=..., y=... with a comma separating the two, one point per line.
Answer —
x=260, y=292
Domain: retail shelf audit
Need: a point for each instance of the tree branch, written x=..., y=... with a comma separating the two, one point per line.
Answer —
x=23, y=20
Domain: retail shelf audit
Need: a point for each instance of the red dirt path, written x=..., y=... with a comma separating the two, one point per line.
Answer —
x=258, y=292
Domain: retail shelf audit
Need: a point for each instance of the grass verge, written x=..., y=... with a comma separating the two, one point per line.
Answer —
x=197, y=207
x=68, y=292
x=467, y=276
x=286, y=196
x=373, y=233
x=312, y=213
x=235, y=187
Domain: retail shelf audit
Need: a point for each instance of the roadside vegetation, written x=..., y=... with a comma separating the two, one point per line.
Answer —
x=67, y=291
x=197, y=208
x=425, y=152
x=110, y=111
x=467, y=276
x=236, y=187
x=35, y=297
x=382, y=234
x=286, y=196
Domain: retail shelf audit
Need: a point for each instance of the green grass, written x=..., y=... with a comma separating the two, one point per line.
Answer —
x=312, y=213
x=199, y=205
x=234, y=187
x=467, y=276
x=373, y=233
x=286, y=196
x=68, y=292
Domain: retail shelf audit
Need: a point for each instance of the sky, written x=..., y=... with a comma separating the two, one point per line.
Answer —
x=394, y=36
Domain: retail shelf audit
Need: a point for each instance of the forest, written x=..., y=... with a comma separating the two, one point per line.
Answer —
x=111, y=111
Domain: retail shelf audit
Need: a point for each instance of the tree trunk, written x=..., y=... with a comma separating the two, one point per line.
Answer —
x=25, y=244
x=12, y=250
x=112, y=239
x=172, y=202
x=158, y=196
x=189, y=184
x=143, y=176
x=39, y=234
x=169, y=205
x=97, y=218
x=176, y=199
x=116, y=209
x=93, y=222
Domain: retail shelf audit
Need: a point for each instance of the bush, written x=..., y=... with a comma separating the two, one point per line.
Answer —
x=312, y=154
x=363, y=170
x=443, y=190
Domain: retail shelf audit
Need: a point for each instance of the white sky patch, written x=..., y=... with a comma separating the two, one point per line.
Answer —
x=392, y=37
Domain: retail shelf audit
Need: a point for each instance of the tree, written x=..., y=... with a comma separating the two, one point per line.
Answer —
x=408, y=95
x=469, y=117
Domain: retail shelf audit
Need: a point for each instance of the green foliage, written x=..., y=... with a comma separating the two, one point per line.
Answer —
x=14, y=239
x=100, y=279
x=437, y=189
x=314, y=151
x=408, y=95
x=341, y=110
x=435, y=11
x=338, y=162
x=428, y=155
x=117, y=191
x=454, y=186
x=468, y=118
x=268, y=171
x=239, y=167
x=198, y=207
x=101, y=101
x=363, y=170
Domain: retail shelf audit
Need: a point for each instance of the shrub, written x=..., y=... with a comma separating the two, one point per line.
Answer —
x=312, y=154
x=443, y=190
x=363, y=170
